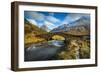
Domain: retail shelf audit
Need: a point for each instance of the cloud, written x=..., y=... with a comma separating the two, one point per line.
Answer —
x=32, y=21
x=73, y=17
x=34, y=15
x=40, y=24
x=51, y=14
x=64, y=21
x=52, y=19
x=49, y=25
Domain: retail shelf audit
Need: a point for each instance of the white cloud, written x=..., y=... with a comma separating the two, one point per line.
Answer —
x=49, y=25
x=32, y=21
x=51, y=14
x=52, y=19
x=40, y=24
x=65, y=22
x=35, y=15
x=72, y=17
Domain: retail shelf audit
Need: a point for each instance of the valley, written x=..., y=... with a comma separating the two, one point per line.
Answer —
x=61, y=43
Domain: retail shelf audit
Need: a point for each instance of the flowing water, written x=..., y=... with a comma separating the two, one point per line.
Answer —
x=43, y=51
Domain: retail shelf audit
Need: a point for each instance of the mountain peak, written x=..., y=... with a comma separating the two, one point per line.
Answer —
x=44, y=27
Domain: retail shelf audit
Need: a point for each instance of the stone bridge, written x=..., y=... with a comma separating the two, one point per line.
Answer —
x=49, y=36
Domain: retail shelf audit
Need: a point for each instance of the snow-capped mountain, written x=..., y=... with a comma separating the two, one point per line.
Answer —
x=82, y=22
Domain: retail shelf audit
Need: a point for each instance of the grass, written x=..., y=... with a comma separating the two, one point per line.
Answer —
x=69, y=52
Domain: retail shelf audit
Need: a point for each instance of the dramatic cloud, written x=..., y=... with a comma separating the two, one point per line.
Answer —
x=73, y=17
x=52, y=19
x=32, y=21
x=34, y=15
x=49, y=25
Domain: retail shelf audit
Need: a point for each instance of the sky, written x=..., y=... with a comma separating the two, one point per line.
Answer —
x=52, y=19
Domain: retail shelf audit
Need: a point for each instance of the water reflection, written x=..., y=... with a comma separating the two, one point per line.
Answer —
x=44, y=51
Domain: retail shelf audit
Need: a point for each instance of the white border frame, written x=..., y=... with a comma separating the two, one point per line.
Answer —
x=34, y=64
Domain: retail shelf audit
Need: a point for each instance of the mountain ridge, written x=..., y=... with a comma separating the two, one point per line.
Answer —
x=80, y=26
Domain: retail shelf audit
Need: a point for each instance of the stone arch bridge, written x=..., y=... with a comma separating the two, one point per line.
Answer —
x=48, y=36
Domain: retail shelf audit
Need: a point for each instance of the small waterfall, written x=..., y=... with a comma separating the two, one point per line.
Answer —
x=77, y=53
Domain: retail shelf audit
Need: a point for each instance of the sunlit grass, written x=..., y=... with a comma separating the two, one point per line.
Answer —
x=69, y=52
x=32, y=39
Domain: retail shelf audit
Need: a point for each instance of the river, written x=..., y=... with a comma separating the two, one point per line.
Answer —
x=44, y=51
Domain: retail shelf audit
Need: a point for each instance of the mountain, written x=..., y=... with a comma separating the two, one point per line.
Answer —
x=44, y=27
x=32, y=28
x=30, y=32
x=79, y=30
x=78, y=27
x=61, y=28
x=82, y=21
